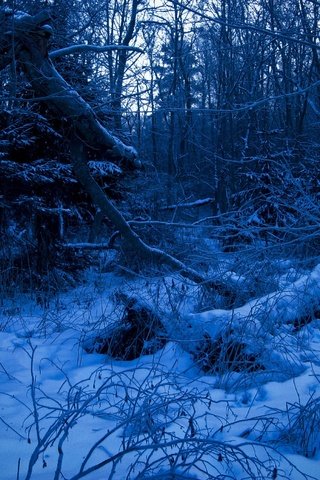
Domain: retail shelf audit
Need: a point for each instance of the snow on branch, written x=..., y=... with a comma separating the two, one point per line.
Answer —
x=91, y=48
x=196, y=203
x=87, y=246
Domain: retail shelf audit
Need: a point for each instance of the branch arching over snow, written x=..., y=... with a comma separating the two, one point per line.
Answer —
x=86, y=128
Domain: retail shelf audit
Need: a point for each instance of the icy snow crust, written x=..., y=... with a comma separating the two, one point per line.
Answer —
x=63, y=410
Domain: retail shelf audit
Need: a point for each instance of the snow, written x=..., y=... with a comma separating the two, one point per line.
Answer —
x=265, y=314
x=104, y=168
x=138, y=415
x=197, y=203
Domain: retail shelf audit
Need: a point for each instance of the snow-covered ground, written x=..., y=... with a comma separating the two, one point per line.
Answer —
x=68, y=414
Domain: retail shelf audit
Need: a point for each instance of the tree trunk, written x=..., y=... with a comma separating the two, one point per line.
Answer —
x=133, y=244
x=31, y=39
x=122, y=62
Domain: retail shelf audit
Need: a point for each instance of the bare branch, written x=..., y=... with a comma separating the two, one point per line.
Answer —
x=197, y=203
x=90, y=48
x=249, y=27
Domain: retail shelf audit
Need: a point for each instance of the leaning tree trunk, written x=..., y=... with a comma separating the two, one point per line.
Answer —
x=31, y=35
x=132, y=242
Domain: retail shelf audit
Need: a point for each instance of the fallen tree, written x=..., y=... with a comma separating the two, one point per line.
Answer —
x=25, y=38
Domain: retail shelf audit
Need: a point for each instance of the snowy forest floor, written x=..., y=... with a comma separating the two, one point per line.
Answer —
x=69, y=414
